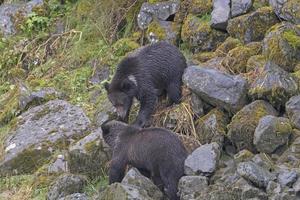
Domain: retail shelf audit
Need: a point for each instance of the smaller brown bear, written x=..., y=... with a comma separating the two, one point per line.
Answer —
x=156, y=152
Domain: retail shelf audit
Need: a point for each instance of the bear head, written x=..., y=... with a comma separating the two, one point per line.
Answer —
x=111, y=130
x=121, y=96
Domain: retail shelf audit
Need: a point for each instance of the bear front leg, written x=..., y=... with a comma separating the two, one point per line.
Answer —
x=117, y=170
x=146, y=109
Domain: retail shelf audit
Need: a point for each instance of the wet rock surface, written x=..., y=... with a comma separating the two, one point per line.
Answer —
x=217, y=88
x=203, y=161
x=39, y=130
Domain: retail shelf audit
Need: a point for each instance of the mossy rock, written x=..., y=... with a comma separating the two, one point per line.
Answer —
x=274, y=85
x=282, y=45
x=229, y=44
x=204, y=56
x=256, y=62
x=38, y=131
x=236, y=59
x=291, y=11
x=272, y=133
x=89, y=156
x=200, y=7
x=253, y=26
x=199, y=36
x=164, y=30
x=212, y=127
x=242, y=127
x=243, y=156
x=260, y=3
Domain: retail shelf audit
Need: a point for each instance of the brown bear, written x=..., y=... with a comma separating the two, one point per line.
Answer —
x=146, y=74
x=156, y=152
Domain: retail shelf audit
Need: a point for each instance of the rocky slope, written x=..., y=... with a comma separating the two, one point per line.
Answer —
x=239, y=117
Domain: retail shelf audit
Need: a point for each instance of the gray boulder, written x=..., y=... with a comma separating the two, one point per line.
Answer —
x=217, y=88
x=274, y=85
x=136, y=180
x=203, y=161
x=90, y=155
x=220, y=14
x=75, y=196
x=189, y=187
x=240, y=7
x=286, y=178
x=65, y=185
x=272, y=133
x=255, y=174
x=39, y=131
x=293, y=110
x=160, y=11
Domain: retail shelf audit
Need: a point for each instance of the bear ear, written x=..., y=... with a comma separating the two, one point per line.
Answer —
x=106, y=86
x=126, y=85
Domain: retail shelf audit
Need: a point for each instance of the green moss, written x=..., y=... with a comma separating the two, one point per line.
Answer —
x=252, y=26
x=204, y=56
x=292, y=38
x=90, y=146
x=212, y=127
x=9, y=106
x=243, y=124
x=256, y=62
x=157, y=29
x=283, y=128
x=200, y=7
x=236, y=59
x=124, y=46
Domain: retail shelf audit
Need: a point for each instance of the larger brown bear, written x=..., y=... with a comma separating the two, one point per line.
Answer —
x=146, y=74
x=156, y=152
